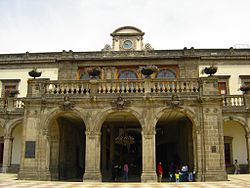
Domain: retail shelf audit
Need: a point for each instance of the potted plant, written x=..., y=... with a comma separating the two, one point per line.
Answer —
x=34, y=73
x=12, y=92
x=148, y=70
x=210, y=70
x=244, y=88
x=94, y=72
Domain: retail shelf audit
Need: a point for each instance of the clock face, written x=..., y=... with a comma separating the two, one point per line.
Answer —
x=127, y=44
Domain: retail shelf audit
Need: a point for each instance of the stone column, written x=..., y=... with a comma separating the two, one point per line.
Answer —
x=213, y=168
x=7, y=153
x=92, y=159
x=112, y=145
x=148, y=157
x=248, y=151
x=104, y=150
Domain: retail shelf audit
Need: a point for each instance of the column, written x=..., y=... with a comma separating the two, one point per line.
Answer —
x=112, y=144
x=104, y=149
x=148, y=157
x=248, y=150
x=7, y=153
x=92, y=159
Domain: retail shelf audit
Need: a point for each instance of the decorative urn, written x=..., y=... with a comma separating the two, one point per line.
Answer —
x=245, y=88
x=148, y=70
x=210, y=70
x=34, y=73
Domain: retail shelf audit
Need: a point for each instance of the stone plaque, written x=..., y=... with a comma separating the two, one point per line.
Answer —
x=30, y=149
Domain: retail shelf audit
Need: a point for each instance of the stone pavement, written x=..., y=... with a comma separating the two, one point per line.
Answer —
x=235, y=181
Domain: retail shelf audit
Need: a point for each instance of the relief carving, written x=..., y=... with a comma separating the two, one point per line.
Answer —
x=67, y=104
x=120, y=103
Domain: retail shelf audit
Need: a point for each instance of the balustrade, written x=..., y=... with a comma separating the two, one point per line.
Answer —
x=233, y=100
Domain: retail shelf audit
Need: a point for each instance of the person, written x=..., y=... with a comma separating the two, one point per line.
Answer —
x=172, y=172
x=113, y=169
x=177, y=176
x=159, y=171
x=125, y=170
x=236, y=167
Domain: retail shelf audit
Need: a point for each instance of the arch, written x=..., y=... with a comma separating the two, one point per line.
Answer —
x=104, y=114
x=56, y=112
x=127, y=30
x=127, y=74
x=239, y=120
x=190, y=115
x=166, y=73
x=10, y=126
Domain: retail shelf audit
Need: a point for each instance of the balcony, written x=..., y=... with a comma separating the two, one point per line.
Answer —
x=157, y=89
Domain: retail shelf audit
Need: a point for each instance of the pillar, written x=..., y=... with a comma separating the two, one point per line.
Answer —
x=248, y=151
x=7, y=153
x=92, y=159
x=148, y=157
x=104, y=149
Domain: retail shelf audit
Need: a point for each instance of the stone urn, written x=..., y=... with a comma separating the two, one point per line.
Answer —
x=94, y=72
x=34, y=73
x=12, y=92
x=245, y=88
x=148, y=70
x=210, y=70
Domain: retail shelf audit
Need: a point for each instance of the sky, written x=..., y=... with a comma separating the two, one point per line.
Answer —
x=85, y=25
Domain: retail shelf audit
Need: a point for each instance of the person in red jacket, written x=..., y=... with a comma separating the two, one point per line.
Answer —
x=159, y=171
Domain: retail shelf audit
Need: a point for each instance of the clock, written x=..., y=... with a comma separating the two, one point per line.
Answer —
x=127, y=44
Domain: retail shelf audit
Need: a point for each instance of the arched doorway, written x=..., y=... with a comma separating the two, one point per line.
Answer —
x=235, y=146
x=174, y=142
x=16, y=148
x=67, y=147
x=114, y=153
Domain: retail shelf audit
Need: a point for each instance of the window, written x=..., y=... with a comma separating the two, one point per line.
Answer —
x=245, y=79
x=127, y=74
x=222, y=87
x=223, y=84
x=9, y=84
x=166, y=73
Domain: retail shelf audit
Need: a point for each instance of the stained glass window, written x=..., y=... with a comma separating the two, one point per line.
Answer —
x=127, y=74
x=166, y=73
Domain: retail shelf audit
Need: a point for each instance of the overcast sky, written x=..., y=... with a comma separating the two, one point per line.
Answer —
x=85, y=25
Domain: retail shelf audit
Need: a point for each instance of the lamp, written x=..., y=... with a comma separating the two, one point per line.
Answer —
x=124, y=138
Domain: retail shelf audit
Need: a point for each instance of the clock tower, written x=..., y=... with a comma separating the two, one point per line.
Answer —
x=127, y=38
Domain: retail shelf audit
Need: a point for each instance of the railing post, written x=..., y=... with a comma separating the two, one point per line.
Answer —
x=147, y=85
x=36, y=87
x=93, y=87
x=246, y=98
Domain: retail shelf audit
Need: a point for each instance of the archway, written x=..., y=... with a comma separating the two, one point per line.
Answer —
x=174, y=142
x=235, y=146
x=16, y=148
x=67, y=147
x=113, y=153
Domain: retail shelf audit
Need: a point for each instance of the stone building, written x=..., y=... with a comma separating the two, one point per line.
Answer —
x=126, y=103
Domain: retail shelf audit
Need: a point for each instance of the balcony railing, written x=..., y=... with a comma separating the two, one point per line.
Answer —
x=11, y=103
x=121, y=86
x=233, y=100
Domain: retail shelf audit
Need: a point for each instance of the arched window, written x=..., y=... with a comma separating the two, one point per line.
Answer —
x=166, y=73
x=84, y=76
x=127, y=74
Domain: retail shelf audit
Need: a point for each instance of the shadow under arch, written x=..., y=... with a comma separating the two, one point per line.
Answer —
x=11, y=125
x=175, y=141
x=67, y=145
x=236, y=133
x=113, y=154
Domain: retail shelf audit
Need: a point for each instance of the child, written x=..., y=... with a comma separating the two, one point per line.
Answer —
x=177, y=176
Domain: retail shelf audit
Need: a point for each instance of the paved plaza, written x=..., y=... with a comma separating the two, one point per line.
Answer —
x=235, y=181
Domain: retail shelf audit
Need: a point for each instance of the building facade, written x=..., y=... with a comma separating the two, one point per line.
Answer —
x=127, y=103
